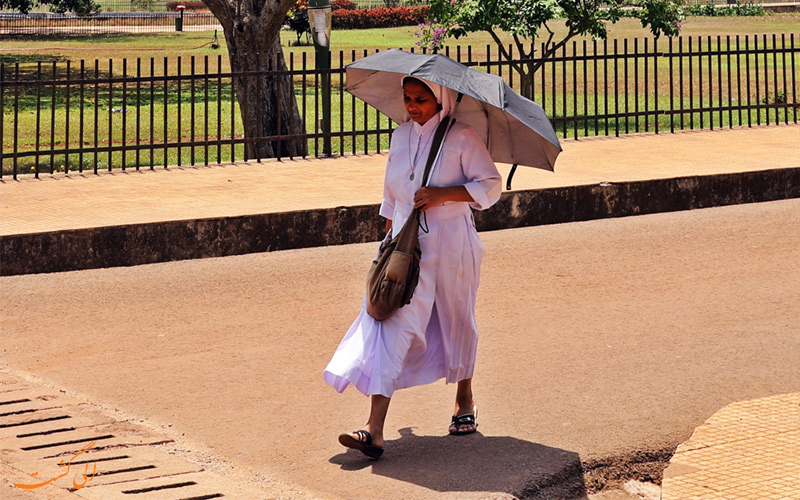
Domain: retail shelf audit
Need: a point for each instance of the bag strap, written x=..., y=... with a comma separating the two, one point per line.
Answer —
x=438, y=138
x=433, y=154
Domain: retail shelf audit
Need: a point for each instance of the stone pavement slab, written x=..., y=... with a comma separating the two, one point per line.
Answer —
x=747, y=450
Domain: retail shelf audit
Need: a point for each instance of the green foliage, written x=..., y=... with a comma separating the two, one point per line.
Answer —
x=525, y=19
x=777, y=98
x=80, y=7
x=738, y=9
x=144, y=4
x=460, y=17
x=663, y=16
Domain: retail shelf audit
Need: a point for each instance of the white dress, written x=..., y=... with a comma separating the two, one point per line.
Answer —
x=435, y=336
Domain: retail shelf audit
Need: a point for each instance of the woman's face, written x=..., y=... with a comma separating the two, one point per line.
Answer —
x=420, y=102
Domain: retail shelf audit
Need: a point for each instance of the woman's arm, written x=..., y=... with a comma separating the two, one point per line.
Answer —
x=431, y=196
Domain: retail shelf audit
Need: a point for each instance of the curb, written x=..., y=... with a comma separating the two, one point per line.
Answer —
x=137, y=244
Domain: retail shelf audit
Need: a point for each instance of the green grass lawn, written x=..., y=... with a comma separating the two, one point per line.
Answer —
x=47, y=123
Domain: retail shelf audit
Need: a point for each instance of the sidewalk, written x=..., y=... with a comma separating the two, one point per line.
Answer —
x=84, y=201
x=130, y=218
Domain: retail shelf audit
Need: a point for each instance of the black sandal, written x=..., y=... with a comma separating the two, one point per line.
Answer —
x=464, y=420
x=362, y=444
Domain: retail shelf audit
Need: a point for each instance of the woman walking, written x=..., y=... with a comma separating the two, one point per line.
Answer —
x=435, y=336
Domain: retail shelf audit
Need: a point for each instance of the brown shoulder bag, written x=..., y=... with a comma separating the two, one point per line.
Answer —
x=394, y=275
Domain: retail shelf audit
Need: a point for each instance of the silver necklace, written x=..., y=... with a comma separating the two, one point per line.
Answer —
x=416, y=153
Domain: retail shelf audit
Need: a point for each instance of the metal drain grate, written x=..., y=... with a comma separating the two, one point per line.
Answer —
x=92, y=439
x=43, y=431
x=34, y=421
x=158, y=488
x=13, y=401
x=46, y=433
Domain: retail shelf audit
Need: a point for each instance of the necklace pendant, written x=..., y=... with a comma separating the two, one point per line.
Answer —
x=411, y=177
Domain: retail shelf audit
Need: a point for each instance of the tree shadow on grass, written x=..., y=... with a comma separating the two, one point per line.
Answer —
x=476, y=463
x=27, y=59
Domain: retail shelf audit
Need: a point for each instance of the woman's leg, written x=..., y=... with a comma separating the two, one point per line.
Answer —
x=464, y=405
x=379, y=406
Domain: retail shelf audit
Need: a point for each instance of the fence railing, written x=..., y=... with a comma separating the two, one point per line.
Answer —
x=104, y=115
x=118, y=22
x=626, y=86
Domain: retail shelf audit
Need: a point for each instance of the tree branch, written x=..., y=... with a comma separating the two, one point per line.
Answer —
x=503, y=51
x=521, y=47
x=550, y=51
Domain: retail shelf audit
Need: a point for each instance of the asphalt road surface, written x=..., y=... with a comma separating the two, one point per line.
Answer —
x=599, y=340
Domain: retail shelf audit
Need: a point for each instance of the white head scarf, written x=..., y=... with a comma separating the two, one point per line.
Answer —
x=444, y=96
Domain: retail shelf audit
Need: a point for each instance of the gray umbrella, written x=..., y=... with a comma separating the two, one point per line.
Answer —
x=515, y=129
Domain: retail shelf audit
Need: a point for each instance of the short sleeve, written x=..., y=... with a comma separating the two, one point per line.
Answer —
x=484, y=183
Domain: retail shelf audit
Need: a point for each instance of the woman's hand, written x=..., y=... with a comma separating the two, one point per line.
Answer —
x=432, y=196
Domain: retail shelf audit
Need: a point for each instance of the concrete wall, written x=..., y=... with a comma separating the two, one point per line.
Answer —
x=216, y=237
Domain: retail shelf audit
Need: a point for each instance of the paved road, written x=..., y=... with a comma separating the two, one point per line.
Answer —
x=599, y=339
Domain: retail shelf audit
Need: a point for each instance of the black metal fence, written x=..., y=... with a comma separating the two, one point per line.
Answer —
x=104, y=115
x=118, y=22
x=646, y=85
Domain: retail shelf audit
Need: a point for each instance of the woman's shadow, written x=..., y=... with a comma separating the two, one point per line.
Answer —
x=476, y=463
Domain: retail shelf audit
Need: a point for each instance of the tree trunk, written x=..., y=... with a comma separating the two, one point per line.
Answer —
x=268, y=104
x=266, y=99
x=525, y=67
x=526, y=84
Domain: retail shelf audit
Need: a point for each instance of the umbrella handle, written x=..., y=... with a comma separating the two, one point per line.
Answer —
x=510, y=176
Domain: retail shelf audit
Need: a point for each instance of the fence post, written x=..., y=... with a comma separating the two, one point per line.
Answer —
x=2, y=114
x=319, y=16
x=179, y=19
x=655, y=82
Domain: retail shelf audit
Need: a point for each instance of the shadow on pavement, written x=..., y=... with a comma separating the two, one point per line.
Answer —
x=476, y=463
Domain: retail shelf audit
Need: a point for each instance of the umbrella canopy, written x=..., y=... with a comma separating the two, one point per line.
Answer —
x=515, y=129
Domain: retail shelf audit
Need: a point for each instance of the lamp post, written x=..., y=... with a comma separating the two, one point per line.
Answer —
x=179, y=20
x=319, y=17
